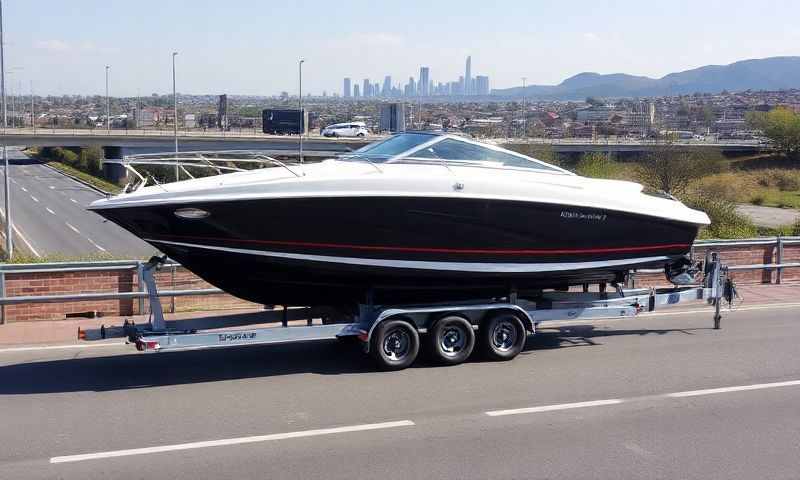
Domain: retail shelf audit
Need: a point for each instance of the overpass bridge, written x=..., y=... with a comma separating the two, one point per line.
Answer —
x=118, y=142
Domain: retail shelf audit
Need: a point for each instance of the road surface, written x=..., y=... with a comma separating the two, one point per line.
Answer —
x=656, y=397
x=49, y=213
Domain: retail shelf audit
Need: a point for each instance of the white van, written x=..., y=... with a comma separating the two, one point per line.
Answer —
x=351, y=129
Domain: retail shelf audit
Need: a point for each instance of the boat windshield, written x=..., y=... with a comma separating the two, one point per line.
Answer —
x=445, y=150
x=391, y=147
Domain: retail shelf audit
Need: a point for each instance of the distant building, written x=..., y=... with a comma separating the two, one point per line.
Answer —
x=393, y=117
x=189, y=120
x=222, y=112
x=424, y=78
x=387, y=86
x=593, y=115
x=356, y=91
x=468, y=77
x=482, y=85
x=346, y=89
x=367, y=88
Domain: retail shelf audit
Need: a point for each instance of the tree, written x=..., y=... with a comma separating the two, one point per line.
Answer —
x=781, y=126
x=672, y=169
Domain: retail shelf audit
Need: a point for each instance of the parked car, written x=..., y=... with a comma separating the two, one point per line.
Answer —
x=351, y=129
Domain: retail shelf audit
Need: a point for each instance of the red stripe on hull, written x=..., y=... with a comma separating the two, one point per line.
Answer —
x=468, y=251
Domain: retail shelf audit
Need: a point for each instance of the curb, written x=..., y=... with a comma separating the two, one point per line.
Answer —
x=83, y=182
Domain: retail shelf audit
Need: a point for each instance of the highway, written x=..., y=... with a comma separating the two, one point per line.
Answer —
x=50, y=218
x=661, y=396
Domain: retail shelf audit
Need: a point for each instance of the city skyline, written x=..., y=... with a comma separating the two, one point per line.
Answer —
x=541, y=41
x=423, y=86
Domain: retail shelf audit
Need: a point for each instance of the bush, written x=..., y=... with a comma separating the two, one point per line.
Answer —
x=672, y=170
x=726, y=222
x=758, y=199
x=787, y=181
x=598, y=165
x=732, y=187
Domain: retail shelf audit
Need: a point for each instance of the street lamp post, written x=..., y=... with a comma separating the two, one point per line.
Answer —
x=175, y=108
x=108, y=105
x=524, y=113
x=9, y=243
x=300, y=105
x=33, y=111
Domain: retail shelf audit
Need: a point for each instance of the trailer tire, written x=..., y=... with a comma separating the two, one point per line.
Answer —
x=502, y=336
x=451, y=340
x=394, y=344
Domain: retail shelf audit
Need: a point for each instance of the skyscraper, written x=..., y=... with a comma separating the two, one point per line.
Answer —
x=367, y=88
x=468, y=77
x=346, y=93
x=356, y=91
x=422, y=87
x=481, y=85
x=412, y=87
x=387, y=86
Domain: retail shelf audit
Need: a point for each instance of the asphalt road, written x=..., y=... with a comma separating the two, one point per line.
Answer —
x=50, y=216
x=267, y=411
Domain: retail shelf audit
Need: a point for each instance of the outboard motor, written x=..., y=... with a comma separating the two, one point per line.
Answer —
x=683, y=271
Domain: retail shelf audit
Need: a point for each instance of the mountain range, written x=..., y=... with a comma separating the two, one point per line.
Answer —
x=774, y=73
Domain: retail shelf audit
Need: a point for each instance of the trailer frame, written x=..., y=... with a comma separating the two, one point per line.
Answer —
x=463, y=319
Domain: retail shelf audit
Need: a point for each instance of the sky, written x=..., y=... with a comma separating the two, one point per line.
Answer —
x=253, y=47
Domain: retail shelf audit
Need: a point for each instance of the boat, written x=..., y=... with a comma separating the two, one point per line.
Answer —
x=415, y=217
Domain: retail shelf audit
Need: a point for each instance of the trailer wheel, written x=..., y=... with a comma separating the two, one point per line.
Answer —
x=395, y=344
x=451, y=340
x=502, y=336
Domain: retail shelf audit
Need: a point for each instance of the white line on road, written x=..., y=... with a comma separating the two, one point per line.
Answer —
x=24, y=189
x=96, y=245
x=740, y=388
x=20, y=235
x=73, y=200
x=34, y=199
x=48, y=209
x=231, y=441
x=550, y=408
x=73, y=228
x=52, y=187
x=616, y=401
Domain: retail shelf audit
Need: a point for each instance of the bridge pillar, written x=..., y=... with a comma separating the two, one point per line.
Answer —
x=114, y=172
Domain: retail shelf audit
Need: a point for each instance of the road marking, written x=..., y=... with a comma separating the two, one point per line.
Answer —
x=24, y=189
x=231, y=441
x=73, y=200
x=20, y=235
x=96, y=245
x=550, y=408
x=60, y=347
x=34, y=199
x=48, y=209
x=616, y=401
x=740, y=388
x=73, y=228
x=52, y=187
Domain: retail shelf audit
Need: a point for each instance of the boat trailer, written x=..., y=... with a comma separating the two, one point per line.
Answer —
x=393, y=335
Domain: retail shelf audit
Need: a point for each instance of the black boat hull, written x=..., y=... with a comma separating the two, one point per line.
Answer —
x=337, y=250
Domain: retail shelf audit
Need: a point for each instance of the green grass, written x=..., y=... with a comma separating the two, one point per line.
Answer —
x=90, y=179
x=23, y=257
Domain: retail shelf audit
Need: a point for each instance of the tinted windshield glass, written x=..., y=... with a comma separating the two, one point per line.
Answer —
x=390, y=147
x=455, y=150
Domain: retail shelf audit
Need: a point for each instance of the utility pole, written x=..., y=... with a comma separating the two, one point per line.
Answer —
x=300, y=104
x=108, y=105
x=524, y=113
x=33, y=111
x=9, y=243
x=175, y=107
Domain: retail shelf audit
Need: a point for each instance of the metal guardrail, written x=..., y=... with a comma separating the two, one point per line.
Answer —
x=141, y=294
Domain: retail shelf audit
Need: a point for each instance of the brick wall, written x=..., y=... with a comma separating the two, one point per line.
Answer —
x=43, y=283
x=103, y=281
